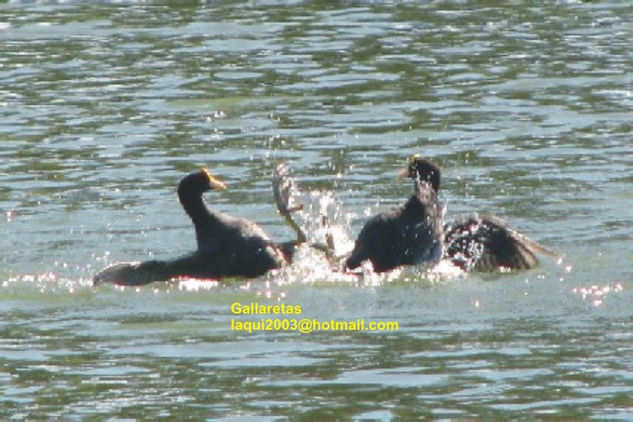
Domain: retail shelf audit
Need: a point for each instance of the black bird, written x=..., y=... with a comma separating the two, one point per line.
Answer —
x=408, y=235
x=475, y=243
x=227, y=246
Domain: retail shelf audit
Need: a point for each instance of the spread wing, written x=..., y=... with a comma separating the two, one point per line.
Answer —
x=485, y=243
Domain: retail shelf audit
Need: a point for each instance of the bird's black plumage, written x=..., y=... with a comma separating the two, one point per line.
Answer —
x=485, y=243
x=475, y=243
x=227, y=246
x=408, y=235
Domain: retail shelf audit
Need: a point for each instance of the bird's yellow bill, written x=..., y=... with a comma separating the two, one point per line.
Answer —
x=403, y=173
x=406, y=172
x=215, y=183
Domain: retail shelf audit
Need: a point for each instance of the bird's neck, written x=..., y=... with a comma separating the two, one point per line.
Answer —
x=193, y=204
x=432, y=182
x=415, y=205
x=420, y=187
x=197, y=210
x=423, y=196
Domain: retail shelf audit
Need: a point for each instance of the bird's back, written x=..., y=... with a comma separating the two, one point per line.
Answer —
x=234, y=246
x=408, y=235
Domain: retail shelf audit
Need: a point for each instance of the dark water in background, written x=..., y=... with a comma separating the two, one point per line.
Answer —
x=103, y=107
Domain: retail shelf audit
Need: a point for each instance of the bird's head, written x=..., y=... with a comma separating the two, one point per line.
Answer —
x=421, y=170
x=198, y=182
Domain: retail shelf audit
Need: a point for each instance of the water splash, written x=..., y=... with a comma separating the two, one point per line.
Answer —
x=325, y=221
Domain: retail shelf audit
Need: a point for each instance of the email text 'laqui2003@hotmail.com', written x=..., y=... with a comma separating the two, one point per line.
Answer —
x=282, y=317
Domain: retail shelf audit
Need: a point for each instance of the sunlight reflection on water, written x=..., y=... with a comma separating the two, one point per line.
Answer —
x=105, y=106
